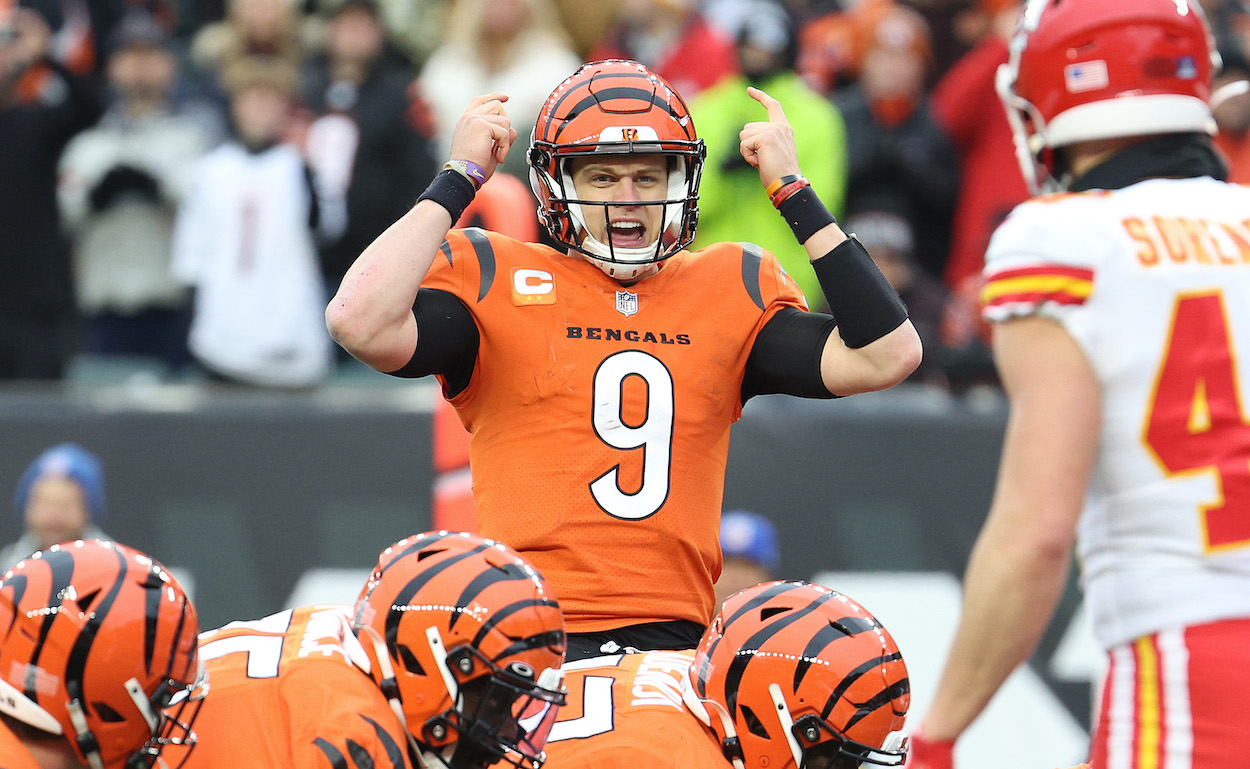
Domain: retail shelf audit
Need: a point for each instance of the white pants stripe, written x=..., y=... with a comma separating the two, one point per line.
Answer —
x=1148, y=704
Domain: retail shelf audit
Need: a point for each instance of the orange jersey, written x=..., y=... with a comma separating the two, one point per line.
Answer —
x=282, y=693
x=600, y=415
x=13, y=754
x=626, y=713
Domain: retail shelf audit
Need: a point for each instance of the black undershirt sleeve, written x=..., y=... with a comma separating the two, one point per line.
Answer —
x=447, y=340
x=786, y=355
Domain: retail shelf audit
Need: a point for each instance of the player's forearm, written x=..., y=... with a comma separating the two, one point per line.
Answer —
x=371, y=314
x=1011, y=588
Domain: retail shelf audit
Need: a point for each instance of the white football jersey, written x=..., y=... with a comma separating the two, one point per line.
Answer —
x=1153, y=282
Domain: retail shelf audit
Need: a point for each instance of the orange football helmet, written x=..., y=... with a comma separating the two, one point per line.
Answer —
x=792, y=675
x=466, y=640
x=615, y=107
x=96, y=640
x=1100, y=69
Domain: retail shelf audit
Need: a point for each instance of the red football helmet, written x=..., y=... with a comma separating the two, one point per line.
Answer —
x=96, y=640
x=792, y=675
x=1096, y=69
x=615, y=107
x=466, y=641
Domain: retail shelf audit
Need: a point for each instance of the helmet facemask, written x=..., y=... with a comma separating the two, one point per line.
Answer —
x=500, y=714
x=567, y=206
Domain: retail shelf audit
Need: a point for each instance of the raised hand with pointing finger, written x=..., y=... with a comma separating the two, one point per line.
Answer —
x=769, y=145
x=483, y=138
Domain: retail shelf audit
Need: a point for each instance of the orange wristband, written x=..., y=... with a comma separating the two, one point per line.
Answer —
x=786, y=191
x=779, y=183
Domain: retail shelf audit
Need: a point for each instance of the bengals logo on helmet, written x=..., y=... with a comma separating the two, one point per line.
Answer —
x=791, y=674
x=96, y=639
x=615, y=107
x=467, y=642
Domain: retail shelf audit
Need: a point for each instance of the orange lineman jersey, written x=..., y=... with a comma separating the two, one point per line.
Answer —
x=13, y=754
x=283, y=693
x=626, y=712
x=600, y=415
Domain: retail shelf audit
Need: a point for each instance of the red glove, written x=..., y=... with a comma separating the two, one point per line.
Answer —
x=923, y=753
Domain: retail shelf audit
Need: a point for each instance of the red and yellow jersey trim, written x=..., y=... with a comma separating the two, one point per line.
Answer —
x=1037, y=285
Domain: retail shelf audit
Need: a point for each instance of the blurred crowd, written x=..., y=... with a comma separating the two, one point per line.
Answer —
x=184, y=182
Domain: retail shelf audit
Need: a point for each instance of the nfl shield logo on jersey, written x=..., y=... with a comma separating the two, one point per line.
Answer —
x=626, y=303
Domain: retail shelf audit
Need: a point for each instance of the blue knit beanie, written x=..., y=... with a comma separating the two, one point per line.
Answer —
x=750, y=536
x=72, y=461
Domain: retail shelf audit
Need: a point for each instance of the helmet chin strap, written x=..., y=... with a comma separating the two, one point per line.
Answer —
x=787, y=722
x=84, y=736
x=699, y=708
x=390, y=688
x=619, y=270
x=13, y=702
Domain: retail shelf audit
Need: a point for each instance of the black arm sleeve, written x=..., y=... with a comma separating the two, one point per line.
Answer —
x=447, y=340
x=786, y=356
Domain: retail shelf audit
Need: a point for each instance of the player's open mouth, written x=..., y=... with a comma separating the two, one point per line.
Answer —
x=628, y=233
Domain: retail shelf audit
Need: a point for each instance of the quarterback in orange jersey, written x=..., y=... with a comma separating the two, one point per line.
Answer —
x=789, y=676
x=600, y=379
x=450, y=658
x=1121, y=316
x=98, y=660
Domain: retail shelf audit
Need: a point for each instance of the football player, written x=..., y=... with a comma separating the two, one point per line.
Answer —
x=789, y=675
x=600, y=378
x=1121, y=312
x=450, y=658
x=98, y=660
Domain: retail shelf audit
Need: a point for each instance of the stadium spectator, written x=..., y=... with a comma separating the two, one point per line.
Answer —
x=778, y=682
x=59, y=498
x=453, y=649
x=414, y=27
x=1120, y=312
x=900, y=160
x=967, y=108
x=37, y=323
x=517, y=47
x=272, y=29
x=244, y=241
x=600, y=381
x=673, y=40
x=95, y=639
x=729, y=200
x=120, y=185
x=363, y=142
x=831, y=42
x=748, y=543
